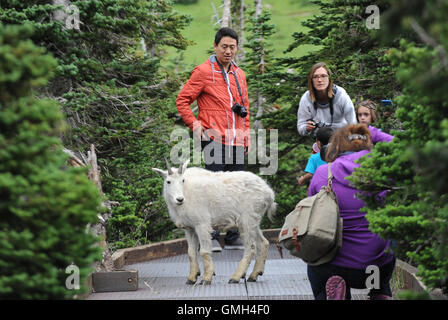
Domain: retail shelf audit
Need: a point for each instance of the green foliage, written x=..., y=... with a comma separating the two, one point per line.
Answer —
x=45, y=207
x=185, y=1
x=114, y=93
x=259, y=65
x=259, y=45
x=413, y=168
x=409, y=295
x=116, y=96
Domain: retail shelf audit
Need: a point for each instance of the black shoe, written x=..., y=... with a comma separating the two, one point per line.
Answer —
x=235, y=245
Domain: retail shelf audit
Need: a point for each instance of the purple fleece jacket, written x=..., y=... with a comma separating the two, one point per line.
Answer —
x=379, y=136
x=360, y=247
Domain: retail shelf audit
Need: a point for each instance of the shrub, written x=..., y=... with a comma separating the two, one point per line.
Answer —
x=45, y=206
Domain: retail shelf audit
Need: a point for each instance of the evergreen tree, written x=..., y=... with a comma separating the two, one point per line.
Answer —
x=258, y=59
x=413, y=168
x=45, y=206
x=260, y=67
x=116, y=96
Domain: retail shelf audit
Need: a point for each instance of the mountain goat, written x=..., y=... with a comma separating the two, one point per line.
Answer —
x=199, y=200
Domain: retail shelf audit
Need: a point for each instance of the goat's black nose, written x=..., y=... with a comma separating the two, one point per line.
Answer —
x=180, y=199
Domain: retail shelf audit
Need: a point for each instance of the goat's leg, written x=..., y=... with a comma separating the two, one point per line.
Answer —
x=262, y=253
x=193, y=245
x=249, y=251
x=205, y=240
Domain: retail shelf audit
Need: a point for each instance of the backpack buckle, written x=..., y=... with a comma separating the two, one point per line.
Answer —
x=294, y=238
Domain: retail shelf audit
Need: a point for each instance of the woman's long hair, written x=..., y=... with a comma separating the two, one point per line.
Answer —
x=353, y=137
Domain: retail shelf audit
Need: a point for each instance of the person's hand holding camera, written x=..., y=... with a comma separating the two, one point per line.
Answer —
x=310, y=125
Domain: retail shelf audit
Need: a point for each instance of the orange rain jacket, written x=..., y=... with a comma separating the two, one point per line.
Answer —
x=208, y=86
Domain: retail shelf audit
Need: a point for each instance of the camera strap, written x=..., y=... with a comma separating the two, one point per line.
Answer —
x=224, y=74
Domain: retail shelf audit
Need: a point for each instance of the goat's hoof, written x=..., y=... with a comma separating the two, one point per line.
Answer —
x=190, y=282
x=206, y=282
x=234, y=281
x=251, y=279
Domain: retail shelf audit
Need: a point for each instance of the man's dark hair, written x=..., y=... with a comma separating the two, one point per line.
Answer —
x=324, y=134
x=225, y=32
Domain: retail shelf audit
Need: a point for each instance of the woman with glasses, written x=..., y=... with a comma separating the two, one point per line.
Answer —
x=324, y=104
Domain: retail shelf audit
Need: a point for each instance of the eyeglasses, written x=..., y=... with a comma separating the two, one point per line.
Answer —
x=320, y=76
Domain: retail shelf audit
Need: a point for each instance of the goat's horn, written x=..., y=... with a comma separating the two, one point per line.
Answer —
x=180, y=168
x=168, y=166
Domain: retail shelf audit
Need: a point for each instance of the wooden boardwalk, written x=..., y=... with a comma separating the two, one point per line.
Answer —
x=164, y=279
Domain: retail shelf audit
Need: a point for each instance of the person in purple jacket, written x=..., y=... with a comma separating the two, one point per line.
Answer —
x=366, y=113
x=360, y=247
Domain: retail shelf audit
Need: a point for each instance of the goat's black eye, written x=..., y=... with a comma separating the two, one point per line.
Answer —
x=183, y=180
x=168, y=182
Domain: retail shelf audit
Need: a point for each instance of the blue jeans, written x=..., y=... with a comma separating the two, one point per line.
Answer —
x=354, y=278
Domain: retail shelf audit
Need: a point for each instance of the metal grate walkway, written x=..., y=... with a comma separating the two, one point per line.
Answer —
x=164, y=279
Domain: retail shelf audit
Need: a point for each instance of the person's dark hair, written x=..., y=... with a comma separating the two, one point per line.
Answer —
x=323, y=151
x=324, y=134
x=353, y=137
x=225, y=32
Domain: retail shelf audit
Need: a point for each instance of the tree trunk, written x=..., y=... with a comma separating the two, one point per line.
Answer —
x=99, y=229
x=60, y=14
x=68, y=15
x=258, y=7
x=259, y=99
x=226, y=20
x=238, y=11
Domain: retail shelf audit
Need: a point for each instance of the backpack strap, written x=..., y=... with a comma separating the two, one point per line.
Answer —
x=330, y=178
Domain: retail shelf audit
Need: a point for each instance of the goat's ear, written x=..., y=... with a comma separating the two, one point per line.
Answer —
x=163, y=173
x=184, y=166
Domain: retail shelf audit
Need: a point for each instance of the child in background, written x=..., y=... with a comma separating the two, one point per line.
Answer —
x=366, y=113
x=322, y=137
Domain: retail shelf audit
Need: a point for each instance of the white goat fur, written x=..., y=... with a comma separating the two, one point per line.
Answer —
x=199, y=201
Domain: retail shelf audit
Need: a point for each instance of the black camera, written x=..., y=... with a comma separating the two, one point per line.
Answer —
x=319, y=124
x=239, y=110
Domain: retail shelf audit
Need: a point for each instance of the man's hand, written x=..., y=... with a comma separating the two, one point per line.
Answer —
x=198, y=132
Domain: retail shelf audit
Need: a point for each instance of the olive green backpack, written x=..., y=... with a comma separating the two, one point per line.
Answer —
x=313, y=230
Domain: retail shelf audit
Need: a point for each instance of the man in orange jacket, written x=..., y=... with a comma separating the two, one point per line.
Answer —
x=219, y=87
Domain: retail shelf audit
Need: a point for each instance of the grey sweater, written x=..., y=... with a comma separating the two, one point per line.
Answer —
x=343, y=111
